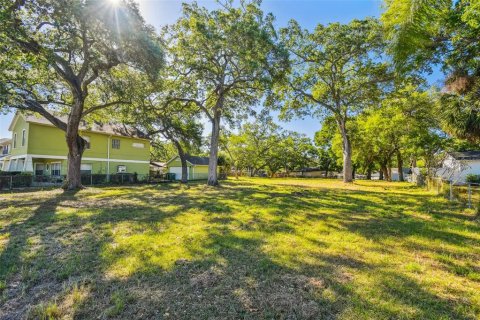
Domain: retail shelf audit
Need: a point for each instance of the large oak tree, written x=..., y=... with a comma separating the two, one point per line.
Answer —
x=225, y=60
x=65, y=57
x=337, y=70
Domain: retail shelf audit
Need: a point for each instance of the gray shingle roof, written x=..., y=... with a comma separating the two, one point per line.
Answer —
x=202, y=161
x=466, y=155
x=5, y=141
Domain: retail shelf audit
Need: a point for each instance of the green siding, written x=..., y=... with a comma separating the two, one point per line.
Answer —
x=20, y=125
x=46, y=140
x=176, y=163
x=51, y=141
x=63, y=169
x=201, y=169
x=196, y=172
x=140, y=168
x=128, y=152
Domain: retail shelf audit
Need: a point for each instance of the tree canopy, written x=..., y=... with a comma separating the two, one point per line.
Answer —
x=424, y=34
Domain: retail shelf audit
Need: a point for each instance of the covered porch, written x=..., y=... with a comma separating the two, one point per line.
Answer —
x=21, y=163
x=48, y=170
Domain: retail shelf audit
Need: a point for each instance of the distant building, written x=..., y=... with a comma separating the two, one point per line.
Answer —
x=197, y=167
x=157, y=167
x=406, y=174
x=458, y=165
x=5, y=145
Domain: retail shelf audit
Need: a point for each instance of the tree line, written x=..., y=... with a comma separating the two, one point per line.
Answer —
x=92, y=60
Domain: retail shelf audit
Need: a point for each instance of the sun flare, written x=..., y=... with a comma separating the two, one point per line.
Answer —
x=114, y=2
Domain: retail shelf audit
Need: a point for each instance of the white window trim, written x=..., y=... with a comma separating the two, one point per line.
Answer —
x=35, y=167
x=139, y=145
x=119, y=143
x=51, y=167
x=87, y=164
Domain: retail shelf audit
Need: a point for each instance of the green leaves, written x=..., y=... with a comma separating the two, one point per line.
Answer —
x=57, y=52
x=446, y=32
x=227, y=54
x=264, y=145
x=337, y=68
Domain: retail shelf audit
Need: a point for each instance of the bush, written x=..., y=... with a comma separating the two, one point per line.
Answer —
x=473, y=178
x=10, y=173
x=22, y=180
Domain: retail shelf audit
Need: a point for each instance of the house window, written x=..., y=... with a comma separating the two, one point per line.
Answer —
x=39, y=169
x=23, y=137
x=115, y=143
x=87, y=142
x=86, y=168
x=20, y=164
x=121, y=169
x=56, y=168
x=138, y=145
x=14, y=140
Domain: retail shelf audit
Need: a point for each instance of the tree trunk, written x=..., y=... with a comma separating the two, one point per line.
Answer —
x=400, y=166
x=213, y=160
x=389, y=171
x=354, y=171
x=413, y=162
x=347, y=152
x=326, y=169
x=183, y=160
x=385, y=173
x=76, y=146
x=381, y=177
x=369, y=172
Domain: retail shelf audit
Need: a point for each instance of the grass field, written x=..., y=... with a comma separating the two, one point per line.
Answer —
x=253, y=248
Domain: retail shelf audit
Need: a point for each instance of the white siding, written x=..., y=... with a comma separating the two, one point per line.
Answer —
x=457, y=171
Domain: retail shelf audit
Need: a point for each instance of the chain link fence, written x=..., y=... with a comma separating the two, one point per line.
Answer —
x=26, y=181
x=468, y=194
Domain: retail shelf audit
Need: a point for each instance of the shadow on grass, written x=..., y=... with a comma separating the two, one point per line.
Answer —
x=226, y=268
x=26, y=241
x=237, y=279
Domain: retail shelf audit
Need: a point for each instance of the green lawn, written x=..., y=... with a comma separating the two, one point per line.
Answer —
x=253, y=248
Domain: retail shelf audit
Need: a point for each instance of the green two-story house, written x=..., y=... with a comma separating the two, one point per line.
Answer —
x=40, y=148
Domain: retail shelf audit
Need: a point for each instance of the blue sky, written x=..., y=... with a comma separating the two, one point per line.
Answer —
x=308, y=12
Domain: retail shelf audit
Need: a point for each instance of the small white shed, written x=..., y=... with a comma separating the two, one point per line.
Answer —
x=458, y=165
